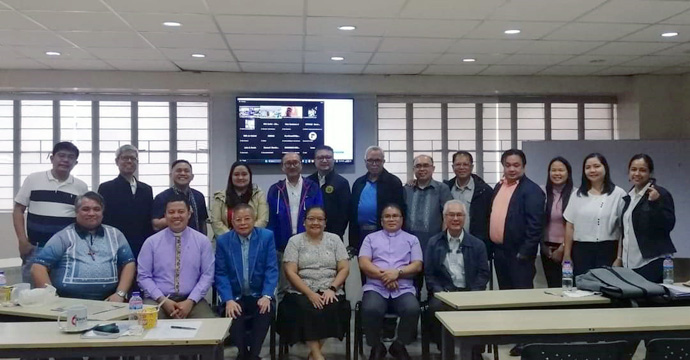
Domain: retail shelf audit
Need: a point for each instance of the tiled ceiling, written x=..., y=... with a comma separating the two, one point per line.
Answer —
x=420, y=37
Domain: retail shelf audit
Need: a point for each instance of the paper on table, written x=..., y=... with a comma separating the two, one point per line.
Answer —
x=677, y=290
x=164, y=330
x=579, y=293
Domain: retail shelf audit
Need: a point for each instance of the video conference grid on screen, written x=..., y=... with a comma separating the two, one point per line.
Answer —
x=268, y=128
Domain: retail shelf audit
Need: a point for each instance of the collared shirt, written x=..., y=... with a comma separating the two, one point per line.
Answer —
x=84, y=264
x=632, y=256
x=156, y=265
x=455, y=262
x=50, y=204
x=133, y=185
x=499, y=211
x=391, y=251
x=594, y=217
x=425, y=209
x=322, y=179
x=244, y=244
x=368, y=205
x=464, y=194
x=294, y=197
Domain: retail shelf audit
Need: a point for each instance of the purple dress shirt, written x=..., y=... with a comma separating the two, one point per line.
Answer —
x=156, y=265
x=391, y=251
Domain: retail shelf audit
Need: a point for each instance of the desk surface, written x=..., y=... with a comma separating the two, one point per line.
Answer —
x=511, y=299
x=568, y=321
x=97, y=310
x=40, y=335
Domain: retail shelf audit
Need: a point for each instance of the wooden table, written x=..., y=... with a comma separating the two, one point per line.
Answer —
x=97, y=310
x=515, y=299
x=43, y=340
x=468, y=328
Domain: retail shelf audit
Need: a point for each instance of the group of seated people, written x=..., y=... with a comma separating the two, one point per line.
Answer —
x=177, y=267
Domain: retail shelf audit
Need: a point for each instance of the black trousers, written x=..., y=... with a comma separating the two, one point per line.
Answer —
x=654, y=271
x=513, y=273
x=375, y=306
x=591, y=255
x=552, y=269
x=249, y=330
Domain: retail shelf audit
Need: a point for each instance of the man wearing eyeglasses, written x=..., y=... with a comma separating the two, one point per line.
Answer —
x=335, y=190
x=288, y=201
x=129, y=200
x=370, y=193
x=49, y=196
x=454, y=261
x=424, y=199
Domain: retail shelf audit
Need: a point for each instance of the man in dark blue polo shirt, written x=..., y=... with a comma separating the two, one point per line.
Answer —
x=181, y=174
x=334, y=188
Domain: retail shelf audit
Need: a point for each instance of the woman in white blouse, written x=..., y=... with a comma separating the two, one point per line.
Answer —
x=593, y=217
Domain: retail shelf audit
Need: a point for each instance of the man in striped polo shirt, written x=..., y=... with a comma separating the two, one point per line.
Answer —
x=49, y=196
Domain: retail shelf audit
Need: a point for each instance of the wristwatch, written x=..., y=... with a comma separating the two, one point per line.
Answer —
x=333, y=288
x=121, y=294
x=400, y=272
x=268, y=297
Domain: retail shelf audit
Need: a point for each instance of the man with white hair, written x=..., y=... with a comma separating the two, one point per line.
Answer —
x=129, y=200
x=454, y=260
x=370, y=193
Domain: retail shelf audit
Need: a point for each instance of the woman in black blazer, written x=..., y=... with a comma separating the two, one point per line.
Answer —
x=648, y=218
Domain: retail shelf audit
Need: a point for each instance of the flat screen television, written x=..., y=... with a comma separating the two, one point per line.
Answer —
x=268, y=127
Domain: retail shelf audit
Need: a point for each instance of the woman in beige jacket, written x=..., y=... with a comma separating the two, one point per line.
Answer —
x=240, y=190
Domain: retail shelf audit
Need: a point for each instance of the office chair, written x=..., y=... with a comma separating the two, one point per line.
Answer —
x=677, y=349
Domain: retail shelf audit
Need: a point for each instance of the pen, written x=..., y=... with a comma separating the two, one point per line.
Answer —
x=182, y=327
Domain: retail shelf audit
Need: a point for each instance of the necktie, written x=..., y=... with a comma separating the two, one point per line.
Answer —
x=178, y=253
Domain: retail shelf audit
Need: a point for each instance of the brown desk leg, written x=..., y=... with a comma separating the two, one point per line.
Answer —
x=447, y=345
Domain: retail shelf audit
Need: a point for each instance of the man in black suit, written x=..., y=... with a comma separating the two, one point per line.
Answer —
x=128, y=200
x=335, y=190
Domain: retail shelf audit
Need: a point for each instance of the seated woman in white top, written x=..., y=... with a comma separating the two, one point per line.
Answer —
x=593, y=215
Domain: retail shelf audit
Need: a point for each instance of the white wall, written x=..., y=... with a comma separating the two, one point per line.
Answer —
x=644, y=103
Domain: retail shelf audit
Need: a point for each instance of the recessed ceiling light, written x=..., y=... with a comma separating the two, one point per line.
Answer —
x=198, y=55
x=337, y=58
x=53, y=53
x=512, y=32
x=669, y=34
x=346, y=27
x=469, y=60
x=172, y=24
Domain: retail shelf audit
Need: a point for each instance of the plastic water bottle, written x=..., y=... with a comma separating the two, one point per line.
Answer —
x=567, y=276
x=668, y=270
x=136, y=304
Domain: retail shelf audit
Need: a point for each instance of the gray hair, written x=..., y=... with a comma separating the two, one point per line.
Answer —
x=374, y=148
x=424, y=155
x=91, y=195
x=125, y=148
x=454, y=202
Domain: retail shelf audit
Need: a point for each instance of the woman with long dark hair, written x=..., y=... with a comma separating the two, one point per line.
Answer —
x=240, y=189
x=648, y=218
x=559, y=186
x=593, y=215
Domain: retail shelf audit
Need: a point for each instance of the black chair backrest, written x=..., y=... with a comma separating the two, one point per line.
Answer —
x=677, y=349
x=575, y=351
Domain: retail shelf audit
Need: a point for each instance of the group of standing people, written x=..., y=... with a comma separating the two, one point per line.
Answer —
x=289, y=242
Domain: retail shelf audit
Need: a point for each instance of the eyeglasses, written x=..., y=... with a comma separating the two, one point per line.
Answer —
x=455, y=215
x=374, y=161
x=423, y=166
x=315, y=219
x=392, y=216
x=66, y=156
x=291, y=164
x=129, y=158
x=324, y=158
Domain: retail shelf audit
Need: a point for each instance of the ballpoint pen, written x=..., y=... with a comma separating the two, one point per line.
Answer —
x=182, y=327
